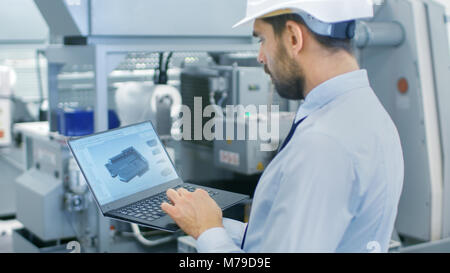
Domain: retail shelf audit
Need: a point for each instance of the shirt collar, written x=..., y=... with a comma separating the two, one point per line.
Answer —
x=331, y=89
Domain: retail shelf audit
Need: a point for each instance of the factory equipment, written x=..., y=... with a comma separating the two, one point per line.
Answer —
x=77, y=198
x=86, y=71
x=79, y=122
x=7, y=207
x=42, y=186
x=108, y=62
x=158, y=102
x=249, y=155
x=19, y=43
x=21, y=100
x=104, y=39
x=6, y=187
x=57, y=207
x=225, y=89
x=5, y=105
x=411, y=78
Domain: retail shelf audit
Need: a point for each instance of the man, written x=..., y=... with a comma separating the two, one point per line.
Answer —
x=335, y=183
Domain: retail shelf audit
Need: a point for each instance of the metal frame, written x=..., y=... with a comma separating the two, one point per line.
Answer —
x=106, y=57
x=431, y=119
x=423, y=59
x=440, y=57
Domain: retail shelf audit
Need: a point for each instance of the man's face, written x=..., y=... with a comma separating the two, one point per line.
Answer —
x=285, y=73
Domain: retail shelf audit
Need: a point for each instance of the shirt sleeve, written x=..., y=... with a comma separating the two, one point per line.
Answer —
x=225, y=240
x=310, y=212
x=235, y=229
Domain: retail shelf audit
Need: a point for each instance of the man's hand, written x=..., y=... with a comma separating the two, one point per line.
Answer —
x=194, y=212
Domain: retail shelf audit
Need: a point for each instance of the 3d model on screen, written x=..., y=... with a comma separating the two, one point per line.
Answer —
x=128, y=164
x=152, y=142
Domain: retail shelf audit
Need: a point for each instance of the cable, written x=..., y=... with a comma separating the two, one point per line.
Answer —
x=141, y=239
x=157, y=76
x=168, y=61
x=143, y=233
x=163, y=68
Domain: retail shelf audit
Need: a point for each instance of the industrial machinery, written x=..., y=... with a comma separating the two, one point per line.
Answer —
x=97, y=55
x=6, y=75
x=7, y=201
x=409, y=68
x=57, y=209
x=21, y=92
x=228, y=90
x=43, y=189
x=19, y=46
x=106, y=61
x=250, y=155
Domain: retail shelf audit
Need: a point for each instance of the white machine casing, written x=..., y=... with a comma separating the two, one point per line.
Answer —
x=5, y=106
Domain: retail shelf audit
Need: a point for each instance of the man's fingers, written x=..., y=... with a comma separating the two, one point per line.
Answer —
x=182, y=191
x=173, y=195
x=203, y=192
x=169, y=209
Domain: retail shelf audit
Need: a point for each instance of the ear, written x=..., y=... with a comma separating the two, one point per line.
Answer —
x=294, y=38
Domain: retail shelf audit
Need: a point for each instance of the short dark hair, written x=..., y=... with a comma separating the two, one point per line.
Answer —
x=333, y=44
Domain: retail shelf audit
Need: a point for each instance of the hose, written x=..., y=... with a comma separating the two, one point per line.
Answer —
x=141, y=239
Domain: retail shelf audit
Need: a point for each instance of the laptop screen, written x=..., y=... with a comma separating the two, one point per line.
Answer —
x=122, y=162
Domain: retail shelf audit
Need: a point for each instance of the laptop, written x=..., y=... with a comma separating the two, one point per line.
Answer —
x=129, y=171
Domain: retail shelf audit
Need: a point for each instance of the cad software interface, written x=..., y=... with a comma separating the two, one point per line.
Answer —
x=122, y=162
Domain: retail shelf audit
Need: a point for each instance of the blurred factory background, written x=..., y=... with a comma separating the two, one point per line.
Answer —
x=75, y=67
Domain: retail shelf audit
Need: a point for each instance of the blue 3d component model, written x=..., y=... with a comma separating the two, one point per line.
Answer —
x=127, y=165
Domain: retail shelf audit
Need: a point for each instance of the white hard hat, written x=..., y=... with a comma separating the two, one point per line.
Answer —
x=326, y=11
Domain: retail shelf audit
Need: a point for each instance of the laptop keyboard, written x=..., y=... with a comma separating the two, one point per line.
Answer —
x=150, y=209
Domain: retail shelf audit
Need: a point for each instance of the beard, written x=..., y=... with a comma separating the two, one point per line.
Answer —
x=289, y=82
x=290, y=88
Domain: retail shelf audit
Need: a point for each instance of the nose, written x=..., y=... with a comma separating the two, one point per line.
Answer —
x=261, y=57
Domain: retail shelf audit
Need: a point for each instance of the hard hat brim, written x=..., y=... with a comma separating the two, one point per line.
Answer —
x=244, y=21
x=257, y=15
x=253, y=17
x=364, y=11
